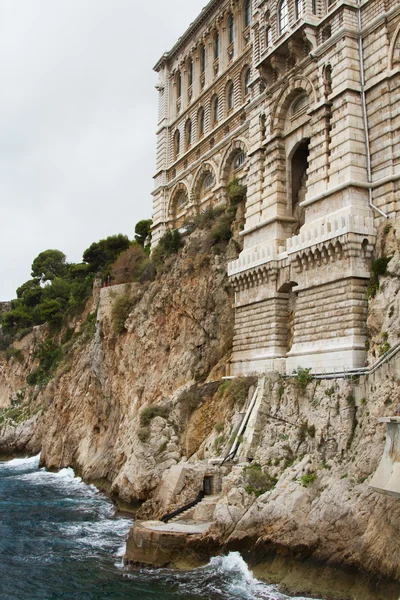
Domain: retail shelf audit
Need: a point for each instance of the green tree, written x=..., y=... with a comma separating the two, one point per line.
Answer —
x=30, y=292
x=100, y=255
x=48, y=265
x=142, y=231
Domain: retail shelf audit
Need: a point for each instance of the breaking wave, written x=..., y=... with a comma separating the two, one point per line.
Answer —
x=61, y=538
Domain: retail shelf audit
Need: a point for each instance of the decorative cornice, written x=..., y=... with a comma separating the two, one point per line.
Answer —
x=195, y=26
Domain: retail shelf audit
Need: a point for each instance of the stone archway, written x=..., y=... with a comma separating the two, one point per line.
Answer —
x=237, y=149
x=299, y=86
x=178, y=205
x=203, y=187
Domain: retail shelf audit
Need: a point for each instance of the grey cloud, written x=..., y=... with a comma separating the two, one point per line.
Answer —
x=77, y=121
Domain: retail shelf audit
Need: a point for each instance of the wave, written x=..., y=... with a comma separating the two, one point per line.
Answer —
x=241, y=581
x=31, y=462
x=225, y=577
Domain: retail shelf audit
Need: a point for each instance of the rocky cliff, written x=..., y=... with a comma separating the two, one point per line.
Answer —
x=127, y=410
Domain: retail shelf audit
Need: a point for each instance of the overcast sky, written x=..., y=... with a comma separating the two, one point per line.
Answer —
x=78, y=113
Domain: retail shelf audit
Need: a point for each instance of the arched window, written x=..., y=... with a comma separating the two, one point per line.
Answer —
x=239, y=161
x=215, y=108
x=208, y=181
x=203, y=58
x=283, y=17
x=201, y=121
x=177, y=143
x=230, y=96
x=246, y=82
x=180, y=200
x=299, y=9
x=268, y=36
x=300, y=103
x=188, y=133
x=231, y=28
x=216, y=45
x=179, y=85
x=190, y=71
x=247, y=13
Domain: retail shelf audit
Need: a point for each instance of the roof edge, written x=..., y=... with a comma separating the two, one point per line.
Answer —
x=189, y=31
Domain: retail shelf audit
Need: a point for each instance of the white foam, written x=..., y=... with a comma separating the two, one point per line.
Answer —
x=241, y=581
x=32, y=461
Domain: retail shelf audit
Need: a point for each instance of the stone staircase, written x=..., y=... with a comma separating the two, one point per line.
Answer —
x=202, y=512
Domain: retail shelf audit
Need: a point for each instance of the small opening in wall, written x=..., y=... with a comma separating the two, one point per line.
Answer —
x=299, y=166
x=208, y=485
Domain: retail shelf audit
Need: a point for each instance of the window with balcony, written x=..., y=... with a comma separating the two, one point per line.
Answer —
x=283, y=17
x=179, y=85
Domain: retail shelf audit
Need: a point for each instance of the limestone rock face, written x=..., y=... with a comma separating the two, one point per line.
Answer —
x=129, y=413
x=178, y=330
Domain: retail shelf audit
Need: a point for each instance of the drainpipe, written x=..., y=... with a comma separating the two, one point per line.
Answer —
x=364, y=111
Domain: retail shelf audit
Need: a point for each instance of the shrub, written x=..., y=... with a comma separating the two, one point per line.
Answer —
x=308, y=480
x=151, y=412
x=219, y=443
x=120, y=312
x=378, y=268
x=169, y=244
x=258, y=482
x=130, y=265
x=383, y=348
x=236, y=192
x=303, y=377
x=15, y=353
x=236, y=390
x=49, y=354
x=222, y=230
x=302, y=432
x=144, y=434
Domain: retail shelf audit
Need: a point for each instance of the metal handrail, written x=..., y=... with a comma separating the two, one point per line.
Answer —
x=370, y=370
x=179, y=511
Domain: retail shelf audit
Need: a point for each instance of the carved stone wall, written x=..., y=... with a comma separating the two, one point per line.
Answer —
x=319, y=124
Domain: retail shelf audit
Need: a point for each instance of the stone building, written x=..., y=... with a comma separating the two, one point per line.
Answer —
x=299, y=99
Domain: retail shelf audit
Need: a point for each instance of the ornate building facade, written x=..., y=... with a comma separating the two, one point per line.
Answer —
x=298, y=99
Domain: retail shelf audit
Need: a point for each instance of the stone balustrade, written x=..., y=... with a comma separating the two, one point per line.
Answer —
x=319, y=231
x=330, y=227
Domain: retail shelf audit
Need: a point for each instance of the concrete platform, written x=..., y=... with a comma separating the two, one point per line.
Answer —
x=188, y=527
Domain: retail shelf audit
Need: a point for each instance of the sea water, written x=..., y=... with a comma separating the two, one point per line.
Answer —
x=61, y=539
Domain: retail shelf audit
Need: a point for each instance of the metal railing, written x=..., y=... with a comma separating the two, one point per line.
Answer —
x=369, y=370
x=181, y=510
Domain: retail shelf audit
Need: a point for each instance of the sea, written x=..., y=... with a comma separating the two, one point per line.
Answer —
x=62, y=539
